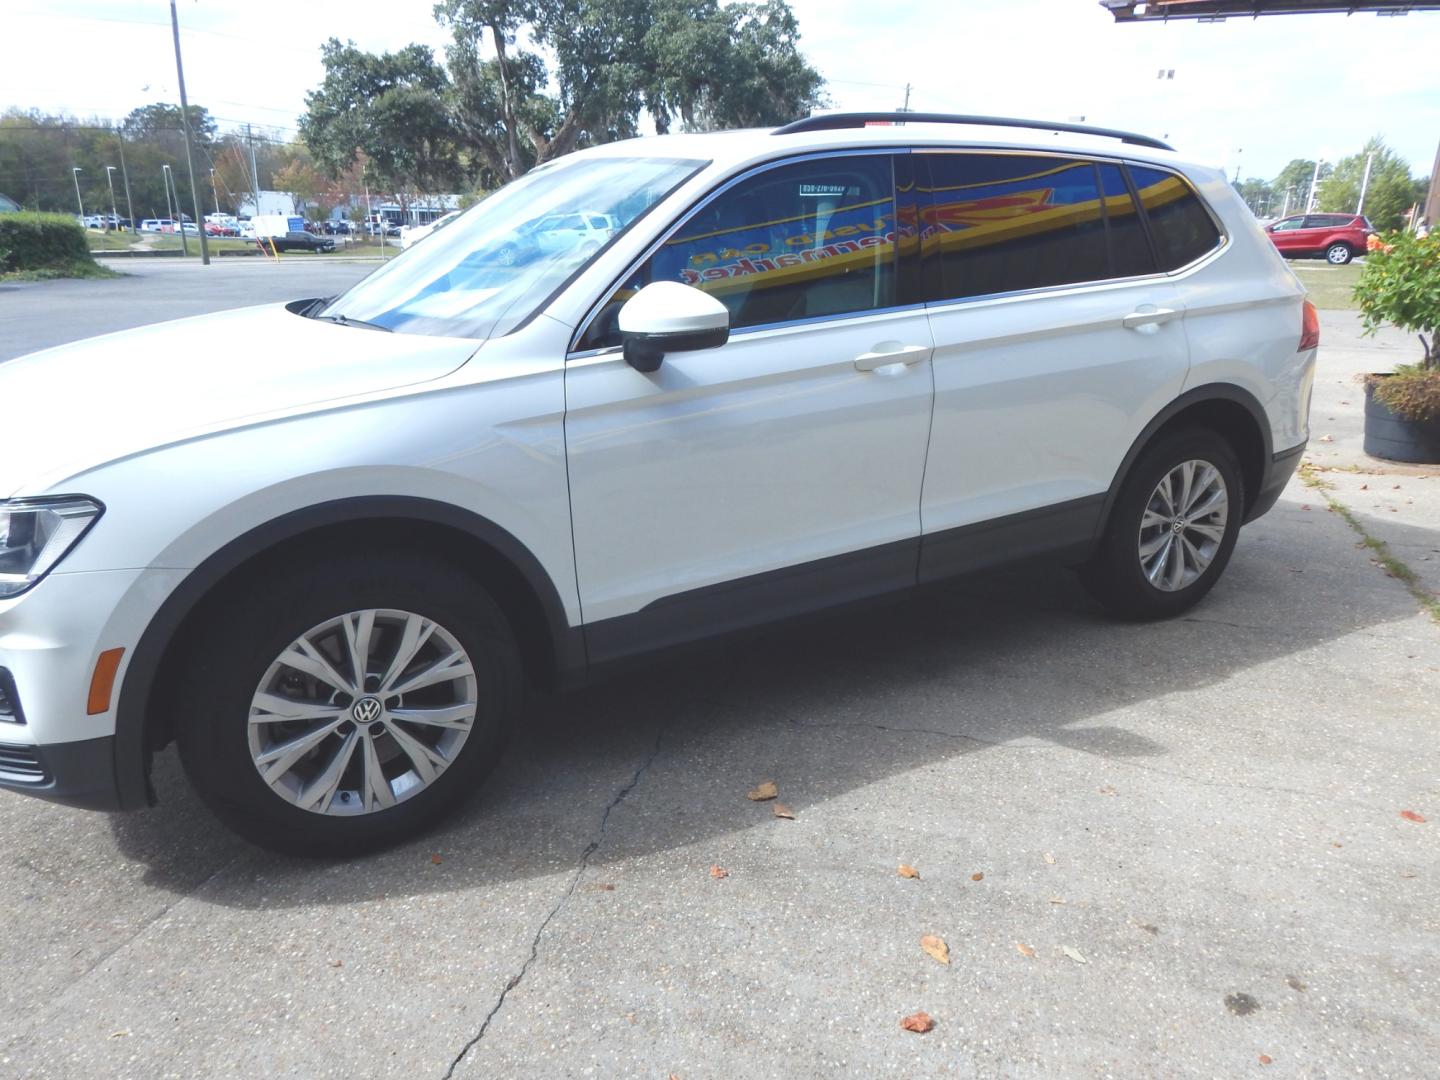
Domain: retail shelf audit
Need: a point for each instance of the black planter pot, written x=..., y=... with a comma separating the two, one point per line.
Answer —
x=1395, y=438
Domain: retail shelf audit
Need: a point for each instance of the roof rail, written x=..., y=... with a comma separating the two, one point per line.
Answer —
x=836, y=121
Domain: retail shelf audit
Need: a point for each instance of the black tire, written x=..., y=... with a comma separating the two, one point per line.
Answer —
x=1115, y=575
x=1338, y=254
x=251, y=625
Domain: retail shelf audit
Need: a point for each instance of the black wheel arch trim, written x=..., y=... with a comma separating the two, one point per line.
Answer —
x=132, y=743
x=1200, y=395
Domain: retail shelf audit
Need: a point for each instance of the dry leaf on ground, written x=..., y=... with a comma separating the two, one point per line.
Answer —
x=936, y=948
x=1073, y=954
x=1106, y=789
x=1411, y=815
x=1266, y=1059
x=781, y=810
x=337, y=963
x=1023, y=949
x=977, y=877
x=717, y=872
x=919, y=1023
x=1050, y=858
x=908, y=871
x=763, y=792
x=436, y=859
x=1057, y=900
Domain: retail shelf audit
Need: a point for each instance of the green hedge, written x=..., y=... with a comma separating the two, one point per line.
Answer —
x=41, y=241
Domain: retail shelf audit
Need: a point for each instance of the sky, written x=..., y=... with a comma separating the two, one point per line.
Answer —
x=1252, y=93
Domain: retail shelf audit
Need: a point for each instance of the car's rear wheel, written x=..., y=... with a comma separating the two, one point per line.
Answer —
x=347, y=705
x=1338, y=254
x=1172, y=528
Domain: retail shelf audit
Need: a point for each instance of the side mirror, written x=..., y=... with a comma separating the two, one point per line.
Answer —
x=666, y=316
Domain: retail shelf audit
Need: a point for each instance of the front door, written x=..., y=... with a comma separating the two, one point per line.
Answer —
x=1289, y=234
x=780, y=472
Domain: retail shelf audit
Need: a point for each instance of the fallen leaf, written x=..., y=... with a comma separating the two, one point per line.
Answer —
x=1266, y=1059
x=781, y=810
x=1057, y=900
x=123, y=1034
x=1023, y=949
x=337, y=963
x=1241, y=1004
x=936, y=948
x=1364, y=487
x=436, y=859
x=1295, y=984
x=603, y=886
x=919, y=1023
x=764, y=792
x=1106, y=789
x=717, y=872
x=1304, y=506
x=977, y=877
x=1411, y=815
x=1073, y=954
x=1050, y=858
x=1336, y=843
x=1327, y=438
x=908, y=871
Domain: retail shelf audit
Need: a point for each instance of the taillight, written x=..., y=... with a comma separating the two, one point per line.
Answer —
x=1309, y=328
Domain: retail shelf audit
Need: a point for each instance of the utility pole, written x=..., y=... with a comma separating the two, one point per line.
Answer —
x=179, y=210
x=75, y=172
x=114, y=215
x=1364, y=183
x=125, y=176
x=214, y=192
x=1314, y=183
x=906, y=106
x=254, y=172
x=189, y=150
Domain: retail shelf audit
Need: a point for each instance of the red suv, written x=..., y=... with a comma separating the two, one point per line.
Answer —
x=1338, y=237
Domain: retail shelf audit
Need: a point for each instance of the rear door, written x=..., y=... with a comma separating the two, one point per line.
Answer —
x=782, y=471
x=1056, y=340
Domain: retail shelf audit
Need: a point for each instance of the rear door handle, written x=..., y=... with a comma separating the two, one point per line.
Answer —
x=886, y=355
x=1147, y=316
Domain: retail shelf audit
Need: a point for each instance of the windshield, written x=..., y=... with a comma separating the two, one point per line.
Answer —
x=494, y=265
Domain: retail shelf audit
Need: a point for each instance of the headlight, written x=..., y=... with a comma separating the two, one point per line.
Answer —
x=35, y=534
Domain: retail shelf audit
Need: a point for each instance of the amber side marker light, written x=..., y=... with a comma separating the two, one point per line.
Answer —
x=103, y=681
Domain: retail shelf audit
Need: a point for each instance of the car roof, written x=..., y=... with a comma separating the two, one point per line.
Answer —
x=740, y=147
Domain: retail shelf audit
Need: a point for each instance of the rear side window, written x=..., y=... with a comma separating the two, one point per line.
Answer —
x=801, y=241
x=996, y=223
x=1130, y=254
x=1183, y=229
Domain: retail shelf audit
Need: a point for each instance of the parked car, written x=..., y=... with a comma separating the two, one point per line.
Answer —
x=286, y=232
x=1337, y=238
x=157, y=225
x=808, y=367
x=583, y=231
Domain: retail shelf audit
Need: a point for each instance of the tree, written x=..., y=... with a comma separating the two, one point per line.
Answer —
x=392, y=108
x=150, y=120
x=1294, y=181
x=1257, y=195
x=1389, y=194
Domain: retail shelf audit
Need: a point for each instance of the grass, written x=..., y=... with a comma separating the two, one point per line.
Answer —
x=1398, y=570
x=64, y=270
x=124, y=241
x=1331, y=287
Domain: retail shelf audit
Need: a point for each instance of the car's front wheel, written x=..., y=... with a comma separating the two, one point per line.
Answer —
x=1338, y=254
x=347, y=705
x=1172, y=528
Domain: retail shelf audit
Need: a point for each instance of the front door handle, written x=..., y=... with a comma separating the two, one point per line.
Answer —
x=1147, y=316
x=890, y=353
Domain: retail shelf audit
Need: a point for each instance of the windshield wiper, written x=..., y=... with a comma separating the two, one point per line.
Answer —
x=345, y=320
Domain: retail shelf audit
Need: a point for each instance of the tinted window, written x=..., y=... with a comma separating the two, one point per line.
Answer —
x=1327, y=221
x=795, y=242
x=1182, y=227
x=1130, y=254
x=1288, y=224
x=995, y=223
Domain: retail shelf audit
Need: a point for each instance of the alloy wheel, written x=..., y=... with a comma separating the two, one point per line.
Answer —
x=362, y=711
x=1183, y=525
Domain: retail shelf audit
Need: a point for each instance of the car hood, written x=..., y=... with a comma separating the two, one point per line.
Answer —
x=71, y=408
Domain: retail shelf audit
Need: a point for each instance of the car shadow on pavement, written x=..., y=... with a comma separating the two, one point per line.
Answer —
x=825, y=707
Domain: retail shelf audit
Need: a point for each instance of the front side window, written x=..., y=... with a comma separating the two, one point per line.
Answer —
x=998, y=223
x=497, y=263
x=801, y=241
x=1182, y=227
x=1288, y=224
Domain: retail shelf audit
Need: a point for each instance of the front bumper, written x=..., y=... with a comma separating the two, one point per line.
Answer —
x=76, y=773
x=1278, y=471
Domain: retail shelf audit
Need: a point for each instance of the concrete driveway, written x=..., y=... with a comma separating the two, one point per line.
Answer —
x=1193, y=828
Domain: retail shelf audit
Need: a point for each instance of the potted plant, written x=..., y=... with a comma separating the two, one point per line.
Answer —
x=1400, y=285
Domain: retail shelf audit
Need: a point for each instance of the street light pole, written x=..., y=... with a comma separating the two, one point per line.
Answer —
x=1314, y=183
x=189, y=150
x=114, y=214
x=125, y=176
x=179, y=210
x=214, y=192
x=1364, y=184
x=75, y=172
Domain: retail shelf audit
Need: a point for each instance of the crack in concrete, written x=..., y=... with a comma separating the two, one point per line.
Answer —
x=590, y=849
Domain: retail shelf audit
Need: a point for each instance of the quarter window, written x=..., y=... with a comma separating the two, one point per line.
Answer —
x=801, y=241
x=1182, y=227
x=996, y=223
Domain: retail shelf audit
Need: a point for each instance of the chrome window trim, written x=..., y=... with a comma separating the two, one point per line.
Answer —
x=754, y=170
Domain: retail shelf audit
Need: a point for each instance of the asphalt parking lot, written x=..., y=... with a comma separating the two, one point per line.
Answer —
x=1173, y=849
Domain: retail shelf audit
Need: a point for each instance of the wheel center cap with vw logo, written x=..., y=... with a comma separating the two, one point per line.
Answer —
x=366, y=711
x=1177, y=526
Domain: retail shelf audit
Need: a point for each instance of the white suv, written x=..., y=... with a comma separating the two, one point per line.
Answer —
x=324, y=545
